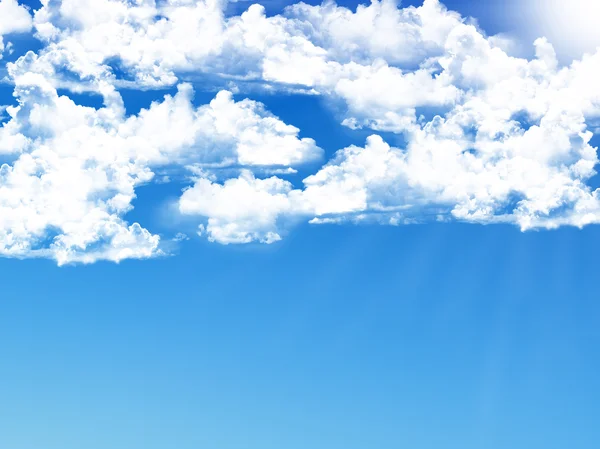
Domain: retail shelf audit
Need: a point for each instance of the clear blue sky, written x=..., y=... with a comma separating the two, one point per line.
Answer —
x=436, y=336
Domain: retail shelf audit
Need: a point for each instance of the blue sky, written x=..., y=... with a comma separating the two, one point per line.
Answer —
x=428, y=336
x=462, y=332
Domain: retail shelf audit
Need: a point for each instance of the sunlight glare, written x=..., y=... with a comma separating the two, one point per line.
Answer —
x=572, y=26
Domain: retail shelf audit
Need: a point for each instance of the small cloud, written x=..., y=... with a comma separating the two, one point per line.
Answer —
x=280, y=171
x=180, y=237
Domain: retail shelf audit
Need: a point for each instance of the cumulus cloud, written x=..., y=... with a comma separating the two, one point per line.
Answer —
x=223, y=132
x=242, y=210
x=489, y=137
x=327, y=49
x=76, y=168
x=404, y=36
x=151, y=39
x=14, y=18
x=514, y=147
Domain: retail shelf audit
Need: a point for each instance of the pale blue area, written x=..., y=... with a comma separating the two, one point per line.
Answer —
x=436, y=336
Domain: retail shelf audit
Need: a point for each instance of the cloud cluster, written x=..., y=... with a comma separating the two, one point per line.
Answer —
x=490, y=137
x=76, y=168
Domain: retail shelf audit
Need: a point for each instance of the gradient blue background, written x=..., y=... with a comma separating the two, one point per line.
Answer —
x=436, y=336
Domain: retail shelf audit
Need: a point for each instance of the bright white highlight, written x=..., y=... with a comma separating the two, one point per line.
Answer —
x=571, y=26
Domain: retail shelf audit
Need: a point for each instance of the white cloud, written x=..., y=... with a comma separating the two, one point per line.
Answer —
x=224, y=132
x=14, y=18
x=442, y=172
x=65, y=194
x=327, y=48
x=77, y=168
x=489, y=137
x=242, y=210
x=403, y=36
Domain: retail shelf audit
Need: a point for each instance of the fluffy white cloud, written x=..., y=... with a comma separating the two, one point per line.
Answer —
x=403, y=36
x=329, y=49
x=443, y=173
x=515, y=148
x=223, y=132
x=489, y=137
x=151, y=39
x=14, y=18
x=242, y=210
x=66, y=192
x=76, y=168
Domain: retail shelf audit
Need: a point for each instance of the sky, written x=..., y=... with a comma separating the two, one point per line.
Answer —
x=372, y=231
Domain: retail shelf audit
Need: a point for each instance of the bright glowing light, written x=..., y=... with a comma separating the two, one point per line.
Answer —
x=573, y=26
